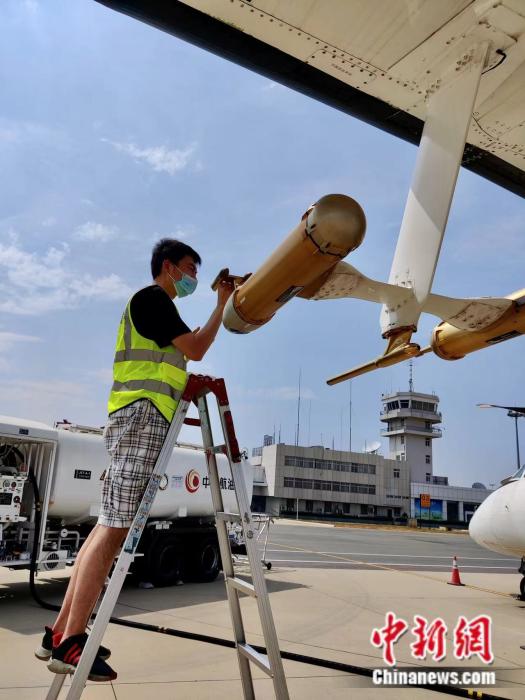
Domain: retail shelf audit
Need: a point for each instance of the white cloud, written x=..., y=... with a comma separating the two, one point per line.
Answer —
x=32, y=283
x=179, y=234
x=7, y=342
x=50, y=221
x=104, y=375
x=271, y=86
x=49, y=400
x=8, y=339
x=161, y=158
x=22, y=132
x=91, y=231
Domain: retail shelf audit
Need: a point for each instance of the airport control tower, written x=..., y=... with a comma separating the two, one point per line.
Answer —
x=411, y=419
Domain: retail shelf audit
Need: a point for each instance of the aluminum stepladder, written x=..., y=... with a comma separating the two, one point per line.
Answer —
x=196, y=390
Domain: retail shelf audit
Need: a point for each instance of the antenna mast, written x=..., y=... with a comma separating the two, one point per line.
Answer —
x=411, y=376
x=298, y=411
x=350, y=418
x=309, y=418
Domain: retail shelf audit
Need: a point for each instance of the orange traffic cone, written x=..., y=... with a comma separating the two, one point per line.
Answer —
x=455, y=580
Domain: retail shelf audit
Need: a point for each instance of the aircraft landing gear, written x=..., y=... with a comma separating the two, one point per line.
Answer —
x=522, y=582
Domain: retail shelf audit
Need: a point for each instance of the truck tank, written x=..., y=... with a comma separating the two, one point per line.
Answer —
x=184, y=490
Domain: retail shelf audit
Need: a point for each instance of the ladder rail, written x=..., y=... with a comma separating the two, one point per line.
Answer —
x=127, y=554
x=224, y=546
x=259, y=582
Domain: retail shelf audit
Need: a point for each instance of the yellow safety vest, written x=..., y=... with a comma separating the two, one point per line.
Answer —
x=142, y=370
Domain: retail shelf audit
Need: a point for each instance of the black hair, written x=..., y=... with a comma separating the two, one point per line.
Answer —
x=172, y=250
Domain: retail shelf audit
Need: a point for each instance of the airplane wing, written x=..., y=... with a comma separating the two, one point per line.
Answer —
x=378, y=61
x=467, y=314
x=347, y=281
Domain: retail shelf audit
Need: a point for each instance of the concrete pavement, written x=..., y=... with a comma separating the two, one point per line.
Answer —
x=318, y=612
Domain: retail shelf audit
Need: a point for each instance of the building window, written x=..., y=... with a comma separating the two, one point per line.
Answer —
x=404, y=404
x=327, y=507
x=427, y=459
x=398, y=458
x=397, y=473
x=402, y=438
x=428, y=478
x=288, y=482
x=428, y=425
x=427, y=442
x=291, y=504
x=309, y=506
x=424, y=406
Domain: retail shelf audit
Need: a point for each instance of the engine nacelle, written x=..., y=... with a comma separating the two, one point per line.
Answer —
x=329, y=230
x=451, y=343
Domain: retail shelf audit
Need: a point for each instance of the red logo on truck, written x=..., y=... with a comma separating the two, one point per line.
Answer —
x=193, y=481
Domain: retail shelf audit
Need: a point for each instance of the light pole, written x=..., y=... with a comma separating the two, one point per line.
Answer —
x=513, y=412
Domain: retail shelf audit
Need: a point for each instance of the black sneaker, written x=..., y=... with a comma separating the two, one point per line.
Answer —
x=65, y=657
x=44, y=650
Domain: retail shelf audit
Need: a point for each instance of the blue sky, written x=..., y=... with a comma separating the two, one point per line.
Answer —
x=113, y=135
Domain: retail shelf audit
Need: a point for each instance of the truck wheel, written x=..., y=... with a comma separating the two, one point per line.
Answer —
x=522, y=588
x=164, y=560
x=205, y=562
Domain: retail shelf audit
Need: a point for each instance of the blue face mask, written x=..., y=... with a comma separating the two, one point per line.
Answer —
x=185, y=286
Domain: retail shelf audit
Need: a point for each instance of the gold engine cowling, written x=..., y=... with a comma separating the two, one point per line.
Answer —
x=452, y=343
x=329, y=230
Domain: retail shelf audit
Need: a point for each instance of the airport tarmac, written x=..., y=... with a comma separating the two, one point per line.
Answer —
x=329, y=588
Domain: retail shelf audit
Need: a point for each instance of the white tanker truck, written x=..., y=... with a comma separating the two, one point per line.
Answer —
x=64, y=466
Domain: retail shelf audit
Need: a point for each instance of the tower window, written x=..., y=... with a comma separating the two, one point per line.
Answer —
x=427, y=442
x=397, y=472
x=427, y=459
x=404, y=404
x=402, y=439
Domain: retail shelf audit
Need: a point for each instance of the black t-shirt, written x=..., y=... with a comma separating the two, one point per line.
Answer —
x=155, y=317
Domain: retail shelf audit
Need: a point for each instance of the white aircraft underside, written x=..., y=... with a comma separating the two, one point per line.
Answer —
x=402, y=51
x=499, y=522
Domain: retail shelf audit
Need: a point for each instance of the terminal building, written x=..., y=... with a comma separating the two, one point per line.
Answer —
x=314, y=480
x=317, y=480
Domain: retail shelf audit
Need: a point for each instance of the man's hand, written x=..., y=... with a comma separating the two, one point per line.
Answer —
x=224, y=291
x=196, y=343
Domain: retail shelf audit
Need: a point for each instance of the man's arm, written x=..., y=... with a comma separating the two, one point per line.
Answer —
x=195, y=345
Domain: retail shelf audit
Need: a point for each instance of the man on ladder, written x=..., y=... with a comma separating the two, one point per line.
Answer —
x=149, y=375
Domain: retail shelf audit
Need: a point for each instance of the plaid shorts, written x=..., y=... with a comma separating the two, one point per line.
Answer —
x=133, y=436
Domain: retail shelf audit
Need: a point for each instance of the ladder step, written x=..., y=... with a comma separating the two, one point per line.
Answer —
x=241, y=585
x=229, y=517
x=260, y=660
